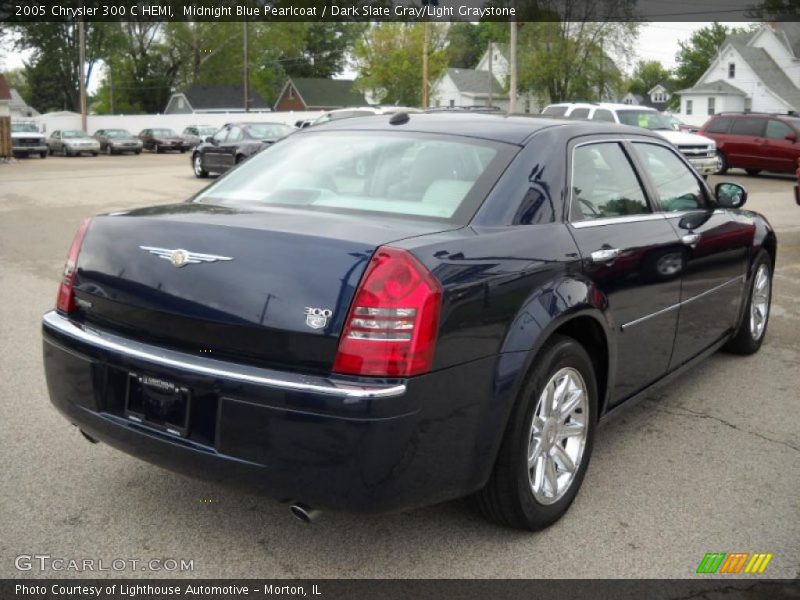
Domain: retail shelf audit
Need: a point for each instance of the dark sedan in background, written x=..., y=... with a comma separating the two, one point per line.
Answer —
x=117, y=141
x=161, y=140
x=388, y=312
x=233, y=143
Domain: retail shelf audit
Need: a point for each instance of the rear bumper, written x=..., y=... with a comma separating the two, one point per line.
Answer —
x=705, y=165
x=331, y=443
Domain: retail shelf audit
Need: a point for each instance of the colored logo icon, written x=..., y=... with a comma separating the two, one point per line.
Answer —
x=734, y=562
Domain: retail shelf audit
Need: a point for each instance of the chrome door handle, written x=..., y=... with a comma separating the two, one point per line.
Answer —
x=605, y=255
x=691, y=239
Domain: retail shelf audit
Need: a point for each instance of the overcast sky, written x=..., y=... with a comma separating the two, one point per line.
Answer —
x=657, y=41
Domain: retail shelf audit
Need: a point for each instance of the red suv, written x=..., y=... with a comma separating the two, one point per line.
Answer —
x=755, y=142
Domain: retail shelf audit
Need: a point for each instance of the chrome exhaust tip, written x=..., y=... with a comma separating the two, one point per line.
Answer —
x=304, y=513
x=88, y=437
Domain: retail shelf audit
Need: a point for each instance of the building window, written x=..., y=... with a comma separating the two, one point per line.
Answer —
x=731, y=70
x=452, y=103
x=711, y=103
x=748, y=104
x=688, y=107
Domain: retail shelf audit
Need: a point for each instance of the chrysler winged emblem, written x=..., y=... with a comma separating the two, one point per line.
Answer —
x=180, y=257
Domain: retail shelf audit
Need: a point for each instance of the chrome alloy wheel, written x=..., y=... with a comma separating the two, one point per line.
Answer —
x=759, y=303
x=198, y=165
x=557, y=435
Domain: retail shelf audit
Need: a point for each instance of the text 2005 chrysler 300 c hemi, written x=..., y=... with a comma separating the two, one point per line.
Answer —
x=386, y=312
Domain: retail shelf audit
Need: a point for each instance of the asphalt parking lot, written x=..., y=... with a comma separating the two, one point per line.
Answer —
x=709, y=464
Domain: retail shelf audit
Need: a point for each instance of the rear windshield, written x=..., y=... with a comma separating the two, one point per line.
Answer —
x=115, y=133
x=408, y=175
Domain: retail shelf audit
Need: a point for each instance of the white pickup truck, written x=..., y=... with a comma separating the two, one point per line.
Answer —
x=26, y=140
x=699, y=150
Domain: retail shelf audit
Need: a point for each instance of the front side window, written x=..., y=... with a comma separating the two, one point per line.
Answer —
x=676, y=185
x=602, y=114
x=777, y=130
x=555, y=111
x=235, y=135
x=604, y=183
x=409, y=175
x=220, y=136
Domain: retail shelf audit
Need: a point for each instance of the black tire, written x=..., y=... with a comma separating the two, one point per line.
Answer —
x=752, y=172
x=197, y=166
x=95, y=154
x=43, y=154
x=64, y=151
x=723, y=163
x=138, y=152
x=745, y=341
x=507, y=498
x=156, y=148
x=109, y=150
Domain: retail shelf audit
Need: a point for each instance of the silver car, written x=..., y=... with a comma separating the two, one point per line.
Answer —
x=195, y=134
x=72, y=142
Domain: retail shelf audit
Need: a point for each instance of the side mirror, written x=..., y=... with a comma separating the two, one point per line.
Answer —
x=210, y=139
x=730, y=195
x=791, y=136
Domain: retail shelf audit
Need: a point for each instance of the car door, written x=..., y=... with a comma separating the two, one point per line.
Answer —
x=623, y=239
x=230, y=147
x=715, y=244
x=780, y=147
x=212, y=153
x=744, y=144
x=55, y=141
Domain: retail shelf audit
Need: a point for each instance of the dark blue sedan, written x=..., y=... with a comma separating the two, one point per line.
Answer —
x=387, y=312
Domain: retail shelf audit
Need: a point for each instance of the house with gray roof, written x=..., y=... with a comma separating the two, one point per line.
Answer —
x=758, y=71
x=314, y=93
x=204, y=98
x=468, y=87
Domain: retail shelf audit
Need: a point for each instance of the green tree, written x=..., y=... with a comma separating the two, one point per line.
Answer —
x=696, y=55
x=647, y=75
x=464, y=45
x=53, y=71
x=389, y=59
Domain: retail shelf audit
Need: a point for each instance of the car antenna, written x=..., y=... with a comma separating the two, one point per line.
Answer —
x=399, y=118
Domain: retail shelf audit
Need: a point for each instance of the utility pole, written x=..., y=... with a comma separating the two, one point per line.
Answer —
x=512, y=70
x=246, y=74
x=425, y=42
x=82, y=68
x=110, y=89
x=491, y=77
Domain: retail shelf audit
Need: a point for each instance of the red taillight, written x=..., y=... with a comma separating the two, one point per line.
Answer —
x=66, y=295
x=392, y=325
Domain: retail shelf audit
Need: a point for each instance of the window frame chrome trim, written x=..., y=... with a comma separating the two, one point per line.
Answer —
x=61, y=325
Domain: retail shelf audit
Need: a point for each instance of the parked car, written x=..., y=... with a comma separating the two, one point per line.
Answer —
x=382, y=314
x=360, y=111
x=72, y=142
x=700, y=151
x=117, y=141
x=161, y=140
x=26, y=140
x=755, y=142
x=233, y=143
x=196, y=134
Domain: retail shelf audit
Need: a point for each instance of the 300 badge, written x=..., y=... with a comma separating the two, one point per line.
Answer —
x=317, y=318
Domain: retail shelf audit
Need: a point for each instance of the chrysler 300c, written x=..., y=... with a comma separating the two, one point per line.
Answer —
x=387, y=312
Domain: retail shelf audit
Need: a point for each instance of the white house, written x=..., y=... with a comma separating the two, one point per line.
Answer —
x=658, y=97
x=19, y=108
x=470, y=87
x=757, y=72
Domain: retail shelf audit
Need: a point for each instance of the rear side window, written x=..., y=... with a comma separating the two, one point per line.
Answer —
x=579, y=113
x=748, y=126
x=777, y=130
x=556, y=111
x=602, y=114
x=719, y=125
x=604, y=183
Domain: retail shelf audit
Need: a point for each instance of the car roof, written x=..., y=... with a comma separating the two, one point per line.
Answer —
x=618, y=106
x=501, y=128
